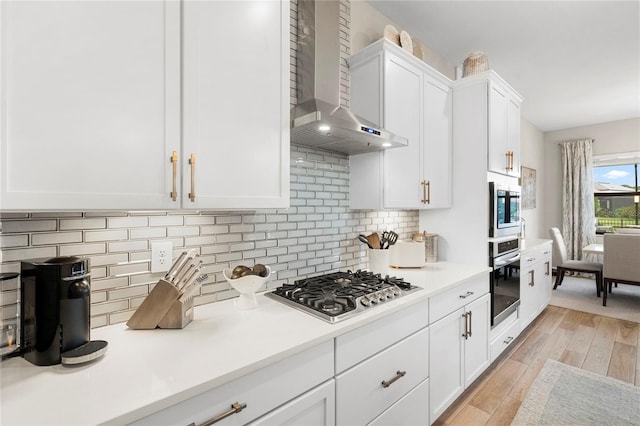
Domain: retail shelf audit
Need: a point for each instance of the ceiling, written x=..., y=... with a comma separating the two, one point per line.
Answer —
x=575, y=62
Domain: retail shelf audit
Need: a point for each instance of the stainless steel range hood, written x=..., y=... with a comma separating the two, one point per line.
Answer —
x=319, y=120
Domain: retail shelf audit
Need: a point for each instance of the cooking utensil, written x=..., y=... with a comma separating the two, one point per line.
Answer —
x=374, y=240
x=364, y=239
x=179, y=275
x=392, y=238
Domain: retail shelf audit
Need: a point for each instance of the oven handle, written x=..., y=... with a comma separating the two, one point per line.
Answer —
x=503, y=262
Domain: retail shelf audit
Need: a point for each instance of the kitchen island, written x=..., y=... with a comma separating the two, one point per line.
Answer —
x=146, y=371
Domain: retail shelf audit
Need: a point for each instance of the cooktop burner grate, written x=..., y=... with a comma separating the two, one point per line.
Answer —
x=339, y=295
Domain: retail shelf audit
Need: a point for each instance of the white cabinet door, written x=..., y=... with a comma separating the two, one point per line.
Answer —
x=513, y=135
x=314, y=408
x=504, y=131
x=405, y=96
x=498, y=160
x=411, y=409
x=437, y=146
x=476, y=345
x=446, y=362
x=236, y=104
x=90, y=92
x=402, y=107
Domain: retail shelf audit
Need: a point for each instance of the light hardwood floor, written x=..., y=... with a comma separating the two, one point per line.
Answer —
x=603, y=345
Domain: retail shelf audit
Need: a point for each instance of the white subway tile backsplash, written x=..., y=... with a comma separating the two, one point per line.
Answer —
x=127, y=222
x=84, y=223
x=18, y=226
x=119, y=234
x=147, y=233
x=11, y=241
x=12, y=255
x=166, y=220
x=41, y=239
x=128, y=246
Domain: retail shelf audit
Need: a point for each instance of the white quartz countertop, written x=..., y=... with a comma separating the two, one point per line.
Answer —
x=145, y=371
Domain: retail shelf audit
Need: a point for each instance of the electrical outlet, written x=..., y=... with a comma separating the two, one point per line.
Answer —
x=161, y=256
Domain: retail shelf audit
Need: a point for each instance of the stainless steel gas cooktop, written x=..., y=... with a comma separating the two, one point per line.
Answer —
x=340, y=295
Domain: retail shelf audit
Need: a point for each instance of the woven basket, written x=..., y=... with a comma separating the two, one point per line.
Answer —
x=475, y=63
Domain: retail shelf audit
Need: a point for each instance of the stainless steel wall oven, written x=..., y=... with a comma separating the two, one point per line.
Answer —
x=505, y=278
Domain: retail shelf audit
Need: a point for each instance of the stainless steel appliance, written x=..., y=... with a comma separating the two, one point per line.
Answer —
x=337, y=296
x=319, y=119
x=505, y=278
x=504, y=214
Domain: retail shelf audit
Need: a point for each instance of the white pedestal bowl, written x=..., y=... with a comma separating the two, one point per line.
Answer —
x=247, y=287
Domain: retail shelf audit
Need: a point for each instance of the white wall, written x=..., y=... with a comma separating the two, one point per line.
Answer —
x=367, y=26
x=610, y=138
x=532, y=156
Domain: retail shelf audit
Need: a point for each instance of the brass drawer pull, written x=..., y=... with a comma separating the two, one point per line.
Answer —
x=508, y=340
x=235, y=408
x=174, y=162
x=192, y=162
x=386, y=384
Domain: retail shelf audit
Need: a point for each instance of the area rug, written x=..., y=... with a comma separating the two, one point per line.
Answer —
x=565, y=395
x=579, y=294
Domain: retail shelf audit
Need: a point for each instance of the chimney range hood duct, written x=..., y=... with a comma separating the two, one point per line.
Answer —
x=318, y=120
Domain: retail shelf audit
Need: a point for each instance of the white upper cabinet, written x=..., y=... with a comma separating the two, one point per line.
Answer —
x=504, y=129
x=236, y=104
x=93, y=107
x=90, y=92
x=395, y=90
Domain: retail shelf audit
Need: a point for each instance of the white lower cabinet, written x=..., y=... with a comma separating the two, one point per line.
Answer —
x=314, y=408
x=459, y=342
x=366, y=390
x=504, y=334
x=412, y=409
x=262, y=392
x=536, y=282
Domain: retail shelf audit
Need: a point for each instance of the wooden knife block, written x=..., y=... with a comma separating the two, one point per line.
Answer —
x=161, y=308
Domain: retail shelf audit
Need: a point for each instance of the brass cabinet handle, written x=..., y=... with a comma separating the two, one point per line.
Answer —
x=424, y=192
x=192, y=162
x=533, y=278
x=235, y=408
x=174, y=162
x=428, y=185
x=466, y=325
x=547, y=266
x=509, y=155
x=386, y=384
x=469, y=319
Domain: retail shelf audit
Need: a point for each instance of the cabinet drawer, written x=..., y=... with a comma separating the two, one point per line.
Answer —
x=370, y=339
x=410, y=410
x=360, y=391
x=457, y=297
x=262, y=391
x=505, y=338
x=529, y=257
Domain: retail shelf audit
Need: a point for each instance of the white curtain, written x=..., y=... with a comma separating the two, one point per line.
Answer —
x=578, y=216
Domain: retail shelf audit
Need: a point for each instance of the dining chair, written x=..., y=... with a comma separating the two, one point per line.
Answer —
x=564, y=265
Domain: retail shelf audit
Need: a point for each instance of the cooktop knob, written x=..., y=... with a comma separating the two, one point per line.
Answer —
x=365, y=301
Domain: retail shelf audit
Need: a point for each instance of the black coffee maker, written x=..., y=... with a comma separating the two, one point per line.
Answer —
x=55, y=297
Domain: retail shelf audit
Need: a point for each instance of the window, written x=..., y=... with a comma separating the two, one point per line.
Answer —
x=617, y=193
